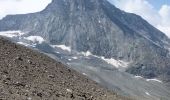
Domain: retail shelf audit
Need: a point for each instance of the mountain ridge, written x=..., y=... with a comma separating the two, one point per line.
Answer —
x=102, y=29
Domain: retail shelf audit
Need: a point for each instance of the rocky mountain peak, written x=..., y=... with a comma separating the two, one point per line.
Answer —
x=78, y=5
x=102, y=33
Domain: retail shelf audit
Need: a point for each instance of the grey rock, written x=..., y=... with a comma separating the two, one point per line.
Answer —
x=101, y=28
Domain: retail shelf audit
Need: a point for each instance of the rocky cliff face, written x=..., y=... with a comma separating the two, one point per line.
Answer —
x=99, y=27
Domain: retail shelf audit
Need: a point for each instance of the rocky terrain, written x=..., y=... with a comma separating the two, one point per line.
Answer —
x=99, y=27
x=28, y=75
x=118, y=50
x=97, y=68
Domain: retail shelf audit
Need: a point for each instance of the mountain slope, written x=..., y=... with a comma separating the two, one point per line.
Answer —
x=102, y=70
x=99, y=27
x=27, y=74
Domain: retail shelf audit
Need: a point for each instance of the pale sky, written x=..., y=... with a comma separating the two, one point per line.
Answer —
x=156, y=12
x=21, y=6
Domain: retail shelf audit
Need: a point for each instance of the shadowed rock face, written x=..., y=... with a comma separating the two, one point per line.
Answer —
x=101, y=28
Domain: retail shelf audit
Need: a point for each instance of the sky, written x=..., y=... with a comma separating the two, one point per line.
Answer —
x=158, y=3
x=21, y=6
x=156, y=12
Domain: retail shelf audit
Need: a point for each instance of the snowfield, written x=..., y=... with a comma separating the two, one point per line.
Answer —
x=156, y=80
x=11, y=34
x=149, y=80
x=75, y=58
x=63, y=47
x=35, y=39
x=39, y=40
x=147, y=93
x=116, y=63
x=88, y=53
x=138, y=77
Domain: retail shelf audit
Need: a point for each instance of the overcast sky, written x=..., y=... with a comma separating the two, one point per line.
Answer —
x=156, y=12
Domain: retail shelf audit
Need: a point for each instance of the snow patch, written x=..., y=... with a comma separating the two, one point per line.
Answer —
x=147, y=93
x=138, y=77
x=29, y=98
x=116, y=63
x=75, y=58
x=84, y=74
x=11, y=34
x=69, y=59
x=88, y=53
x=69, y=90
x=35, y=39
x=156, y=80
x=99, y=21
x=63, y=47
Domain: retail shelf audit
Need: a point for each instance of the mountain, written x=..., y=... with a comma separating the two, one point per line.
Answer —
x=99, y=27
x=107, y=72
x=29, y=75
x=98, y=39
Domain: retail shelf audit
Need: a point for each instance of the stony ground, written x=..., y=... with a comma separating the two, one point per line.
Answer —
x=29, y=75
